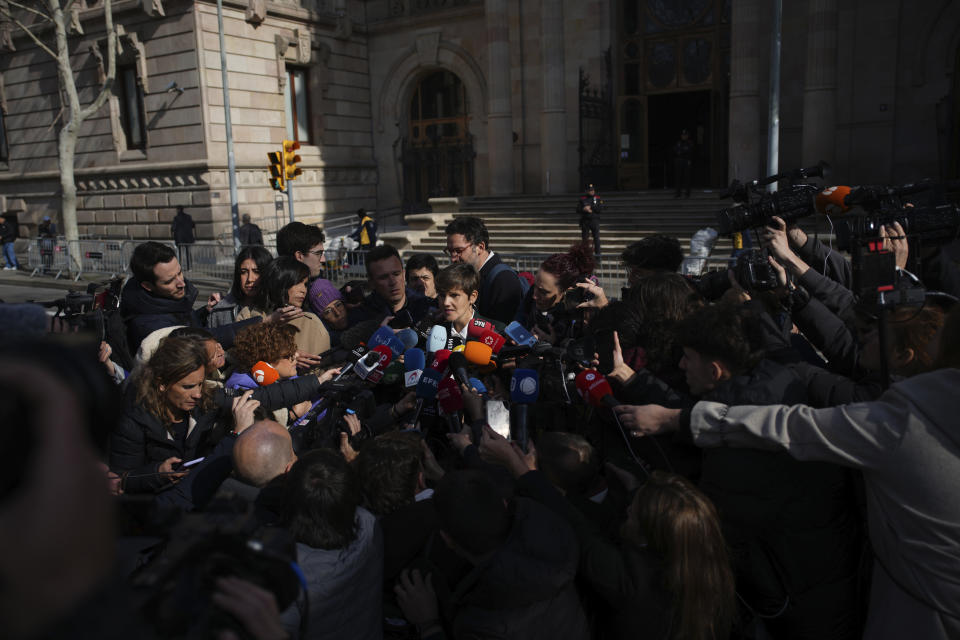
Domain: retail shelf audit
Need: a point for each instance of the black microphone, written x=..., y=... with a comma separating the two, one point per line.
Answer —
x=369, y=359
x=458, y=366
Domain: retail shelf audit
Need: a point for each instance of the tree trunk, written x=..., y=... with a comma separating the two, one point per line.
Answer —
x=68, y=193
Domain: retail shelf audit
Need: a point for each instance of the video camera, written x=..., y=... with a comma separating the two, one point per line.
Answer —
x=790, y=203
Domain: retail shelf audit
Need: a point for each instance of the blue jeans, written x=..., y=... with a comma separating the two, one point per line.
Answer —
x=9, y=255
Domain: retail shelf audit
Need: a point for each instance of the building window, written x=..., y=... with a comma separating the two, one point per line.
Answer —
x=297, y=105
x=130, y=97
x=4, y=149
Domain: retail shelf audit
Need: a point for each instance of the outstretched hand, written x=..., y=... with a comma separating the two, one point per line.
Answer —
x=649, y=419
x=599, y=300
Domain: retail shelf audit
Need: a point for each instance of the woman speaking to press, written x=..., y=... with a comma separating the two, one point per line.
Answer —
x=171, y=417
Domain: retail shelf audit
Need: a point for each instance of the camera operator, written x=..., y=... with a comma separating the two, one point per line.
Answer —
x=905, y=444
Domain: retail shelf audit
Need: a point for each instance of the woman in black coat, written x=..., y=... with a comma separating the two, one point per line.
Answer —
x=171, y=416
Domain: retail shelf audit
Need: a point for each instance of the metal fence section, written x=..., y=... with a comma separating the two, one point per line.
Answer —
x=48, y=255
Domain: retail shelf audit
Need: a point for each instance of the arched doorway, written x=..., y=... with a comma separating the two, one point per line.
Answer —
x=438, y=154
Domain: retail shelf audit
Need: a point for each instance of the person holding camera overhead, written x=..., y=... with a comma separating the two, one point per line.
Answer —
x=552, y=309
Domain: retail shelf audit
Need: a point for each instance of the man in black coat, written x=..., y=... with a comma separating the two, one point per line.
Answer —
x=390, y=295
x=158, y=296
x=501, y=293
x=250, y=233
x=182, y=229
x=589, y=206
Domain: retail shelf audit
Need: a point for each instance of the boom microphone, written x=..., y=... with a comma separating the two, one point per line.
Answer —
x=832, y=201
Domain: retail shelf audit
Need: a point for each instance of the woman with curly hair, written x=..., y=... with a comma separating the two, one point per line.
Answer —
x=275, y=346
x=284, y=284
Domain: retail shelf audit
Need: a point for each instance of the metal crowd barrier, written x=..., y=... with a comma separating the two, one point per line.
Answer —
x=48, y=255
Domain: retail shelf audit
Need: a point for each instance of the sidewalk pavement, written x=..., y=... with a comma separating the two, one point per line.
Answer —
x=22, y=278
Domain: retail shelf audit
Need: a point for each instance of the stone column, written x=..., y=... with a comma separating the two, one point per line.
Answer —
x=820, y=83
x=499, y=111
x=745, y=142
x=553, y=116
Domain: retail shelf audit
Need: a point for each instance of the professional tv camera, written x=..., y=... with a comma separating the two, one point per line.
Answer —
x=790, y=203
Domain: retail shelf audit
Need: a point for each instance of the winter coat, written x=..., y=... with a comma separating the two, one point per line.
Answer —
x=144, y=313
x=908, y=448
x=140, y=442
x=501, y=298
x=182, y=228
x=311, y=336
x=344, y=587
x=526, y=589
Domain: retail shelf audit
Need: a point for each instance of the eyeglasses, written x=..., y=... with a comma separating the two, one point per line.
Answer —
x=456, y=251
x=318, y=253
x=334, y=307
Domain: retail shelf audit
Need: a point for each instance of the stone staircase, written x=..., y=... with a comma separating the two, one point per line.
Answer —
x=534, y=224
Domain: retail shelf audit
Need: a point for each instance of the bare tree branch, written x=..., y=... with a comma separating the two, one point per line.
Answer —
x=33, y=37
x=35, y=12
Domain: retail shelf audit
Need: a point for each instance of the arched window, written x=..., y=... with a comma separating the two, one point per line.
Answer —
x=438, y=148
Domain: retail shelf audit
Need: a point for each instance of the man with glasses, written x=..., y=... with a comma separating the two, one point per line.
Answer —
x=303, y=242
x=501, y=293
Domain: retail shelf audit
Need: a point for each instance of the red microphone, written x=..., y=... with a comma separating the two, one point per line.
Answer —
x=440, y=359
x=451, y=402
x=595, y=389
x=830, y=202
x=486, y=335
x=264, y=373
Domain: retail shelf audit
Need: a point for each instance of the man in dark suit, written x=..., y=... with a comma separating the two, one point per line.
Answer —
x=500, y=290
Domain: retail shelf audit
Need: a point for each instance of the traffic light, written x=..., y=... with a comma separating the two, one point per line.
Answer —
x=276, y=171
x=290, y=160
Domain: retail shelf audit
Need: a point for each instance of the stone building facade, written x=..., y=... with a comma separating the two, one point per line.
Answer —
x=397, y=101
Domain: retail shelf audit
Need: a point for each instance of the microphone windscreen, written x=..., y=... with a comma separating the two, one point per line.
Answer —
x=477, y=353
x=830, y=201
x=428, y=384
x=414, y=359
x=264, y=374
x=592, y=386
x=458, y=362
x=437, y=339
x=479, y=386
x=393, y=372
x=449, y=397
x=385, y=336
x=524, y=386
x=408, y=337
x=458, y=348
x=440, y=359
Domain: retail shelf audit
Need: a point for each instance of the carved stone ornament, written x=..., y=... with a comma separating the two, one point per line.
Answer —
x=303, y=46
x=256, y=12
x=427, y=48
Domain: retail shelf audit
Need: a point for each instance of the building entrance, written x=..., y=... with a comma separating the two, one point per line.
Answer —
x=669, y=114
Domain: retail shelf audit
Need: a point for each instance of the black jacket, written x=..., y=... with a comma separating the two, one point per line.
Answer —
x=139, y=443
x=525, y=590
x=500, y=298
x=8, y=232
x=375, y=307
x=144, y=313
x=182, y=228
x=250, y=234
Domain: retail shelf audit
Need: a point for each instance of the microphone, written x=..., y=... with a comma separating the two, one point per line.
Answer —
x=408, y=337
x=524, y=389
x=594, y=389
x=440, y=359
x=458, y=364
x=458, y=348
x=264, y=373
x=371, y=369
x=427, y=389
x=832, y=201
x=477, y=353
x=519, y=334
x=487, y=336
x=393, y=372
x=437, y=339
x=451, y=402
x=362, y=353
x=476, y=384
x=385, y=336
x=414, y=362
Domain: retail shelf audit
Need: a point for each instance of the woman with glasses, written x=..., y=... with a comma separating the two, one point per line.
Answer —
x=327, y=302
x=250, y=264
x=283, y=285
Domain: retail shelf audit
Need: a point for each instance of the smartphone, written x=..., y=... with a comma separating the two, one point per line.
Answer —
x=190, y=463
x=604, y=345
x=498, y=417
x=516, y=332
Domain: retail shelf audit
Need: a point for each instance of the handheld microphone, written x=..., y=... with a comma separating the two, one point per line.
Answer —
x=458, y=365
x=440, y=359
x=408, y=337
x=524, y=389
x=414, y=362
x=487, y=336
x=832, y=201
x=594, y=389
x=373, y=371
x=393, y=373
x=458, y=348
x=384, y=336
x=427, y=389
x=264, y=373
x=451, y=402
x=477, y=353
x=361, y=352
x=476, y=384
x=437, y=339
